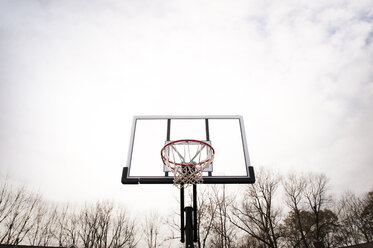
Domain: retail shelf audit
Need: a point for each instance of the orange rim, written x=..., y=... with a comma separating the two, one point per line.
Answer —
x=164, y=159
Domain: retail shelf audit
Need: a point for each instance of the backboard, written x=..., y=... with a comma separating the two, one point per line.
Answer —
x=226, y=134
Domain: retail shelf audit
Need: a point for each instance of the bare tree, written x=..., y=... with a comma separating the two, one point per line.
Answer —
x=356, y=218
x=207, y=211
x=44, y=225
x=26, y=218
x=99, y=228
x=224, y=233
x=248, y=241
x=310, y=220
x=256, y=215
x=151, y=230
x=123, y=231
x=6, y=198
x=66, y=230
x=327, y=219
x=17, y=209
x=317, y=199
x=349, y=210
x=367, y=216
x=172, y=222
x=294, y=187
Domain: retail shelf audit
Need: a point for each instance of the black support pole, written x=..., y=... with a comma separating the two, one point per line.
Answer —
x=168, y=129
x=189, y=228
x=168, y=137
x=182, y=215
x=207, y=129
x=208, y=137
x=195, y=210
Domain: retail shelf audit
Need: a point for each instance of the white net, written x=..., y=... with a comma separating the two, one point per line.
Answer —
x=187, y=160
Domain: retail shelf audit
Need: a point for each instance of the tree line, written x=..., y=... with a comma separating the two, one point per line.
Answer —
x=277, y=211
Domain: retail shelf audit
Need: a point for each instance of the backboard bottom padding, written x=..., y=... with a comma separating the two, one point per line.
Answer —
x=206, y=180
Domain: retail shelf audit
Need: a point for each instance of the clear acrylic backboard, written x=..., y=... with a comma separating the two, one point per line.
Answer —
x=226, y=134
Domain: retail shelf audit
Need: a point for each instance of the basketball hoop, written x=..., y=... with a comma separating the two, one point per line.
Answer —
x=187, y=159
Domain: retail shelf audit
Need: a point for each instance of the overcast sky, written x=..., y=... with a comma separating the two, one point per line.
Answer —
x=73, y=73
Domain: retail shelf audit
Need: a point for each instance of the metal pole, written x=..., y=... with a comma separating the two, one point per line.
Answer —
x=207, y=129
x=195, y=210
x=208, y=138
x=188, y=228
x=168, y=129
x=182, y=215
x=168, y=138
